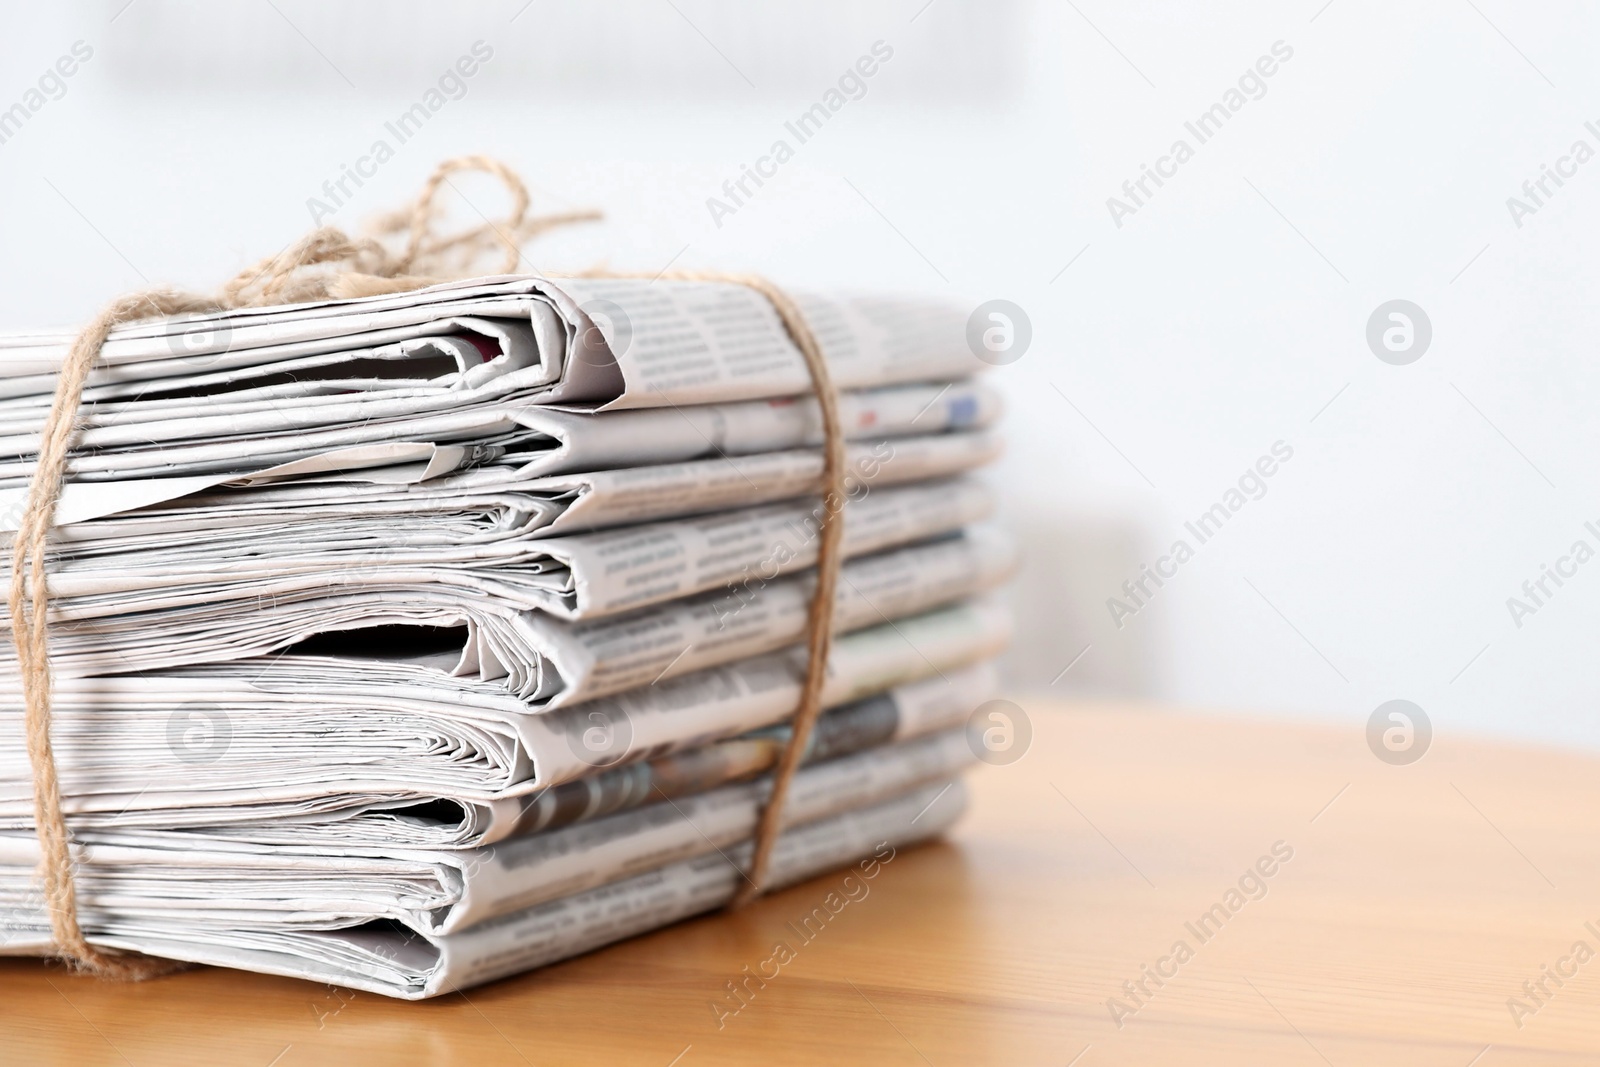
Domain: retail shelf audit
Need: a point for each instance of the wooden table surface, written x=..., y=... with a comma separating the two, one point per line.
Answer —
x=1417, y=902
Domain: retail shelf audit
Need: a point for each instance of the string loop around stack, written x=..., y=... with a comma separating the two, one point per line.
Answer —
x=329, y=264
x=830, y=539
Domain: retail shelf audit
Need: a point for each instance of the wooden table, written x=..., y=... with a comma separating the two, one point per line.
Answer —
x=1416, y=903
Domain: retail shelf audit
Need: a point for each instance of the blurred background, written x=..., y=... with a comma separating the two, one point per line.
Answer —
x=1215, y=315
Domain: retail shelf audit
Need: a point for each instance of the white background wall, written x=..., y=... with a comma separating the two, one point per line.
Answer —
x=1227, y=314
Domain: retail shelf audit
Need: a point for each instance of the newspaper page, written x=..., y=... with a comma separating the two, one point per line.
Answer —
x=515, y=445
x=398, y=962
x=574, y=576
x=202, y=747
x=217, y=883
x=374, y=367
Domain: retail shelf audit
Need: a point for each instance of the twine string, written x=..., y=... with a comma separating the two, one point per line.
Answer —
x=329, y=264
x=830, y=539
x=29, y=603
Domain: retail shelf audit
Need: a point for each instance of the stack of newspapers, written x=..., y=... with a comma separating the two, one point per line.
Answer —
x=409, y=642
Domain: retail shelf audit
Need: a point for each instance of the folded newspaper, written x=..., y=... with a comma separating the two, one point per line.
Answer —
x=412, y=641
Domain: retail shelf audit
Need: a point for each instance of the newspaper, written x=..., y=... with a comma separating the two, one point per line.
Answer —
x=427, y=474
x=203, y=560
x=396, y=961
x=339, y=749
x=554, y=440
x=606, y=342
x=545, y=660
x=542, y=506
x=218, y=883
x=445, y=365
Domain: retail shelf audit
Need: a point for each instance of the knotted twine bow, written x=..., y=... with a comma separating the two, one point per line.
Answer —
x=329, y=264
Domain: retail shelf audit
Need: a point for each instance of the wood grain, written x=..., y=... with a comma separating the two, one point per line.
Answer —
x=1417, y=902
